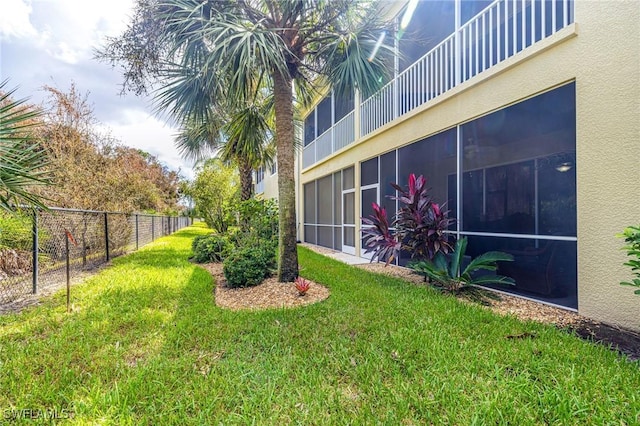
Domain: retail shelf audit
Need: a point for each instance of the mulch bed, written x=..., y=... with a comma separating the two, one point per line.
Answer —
x=269, y=294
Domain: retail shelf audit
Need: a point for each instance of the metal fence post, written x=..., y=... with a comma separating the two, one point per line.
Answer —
x=153, y=229
x=68, y=271
x=137, y=242
x=35, y=251
x=106, y=235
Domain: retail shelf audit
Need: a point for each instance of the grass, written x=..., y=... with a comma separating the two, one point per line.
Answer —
x=146, y=344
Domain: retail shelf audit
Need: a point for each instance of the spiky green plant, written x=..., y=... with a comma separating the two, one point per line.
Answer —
x=447, y=271
x=22, y=159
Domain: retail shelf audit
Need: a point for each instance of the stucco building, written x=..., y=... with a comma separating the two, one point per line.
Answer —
x=525, y=118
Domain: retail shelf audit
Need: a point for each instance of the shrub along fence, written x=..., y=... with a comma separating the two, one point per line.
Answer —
x=35, y=244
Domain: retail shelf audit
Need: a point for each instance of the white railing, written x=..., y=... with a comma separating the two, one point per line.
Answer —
x=427, y=78
x=378, y=110
x=309, y=155
x=324, y=145
x=340, y=135
x=344, y=131
x=500, y=31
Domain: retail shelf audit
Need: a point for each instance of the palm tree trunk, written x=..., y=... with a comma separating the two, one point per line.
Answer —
x=287, y=249
x=246, y=179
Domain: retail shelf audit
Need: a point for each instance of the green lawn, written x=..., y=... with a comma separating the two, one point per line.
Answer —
x=146, y=344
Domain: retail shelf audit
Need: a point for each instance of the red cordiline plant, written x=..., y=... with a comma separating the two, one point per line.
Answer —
x=419, y=225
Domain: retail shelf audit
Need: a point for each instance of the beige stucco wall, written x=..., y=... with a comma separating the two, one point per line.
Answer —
x=601, y=52
x=270, y=185
x=608, y=155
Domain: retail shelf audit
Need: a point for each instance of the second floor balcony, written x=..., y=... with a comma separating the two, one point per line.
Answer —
x=499, y=31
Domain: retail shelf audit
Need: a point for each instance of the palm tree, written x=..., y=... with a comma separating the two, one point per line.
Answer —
x=22, y=158
x=208, y=54
x=279, y=42
x=241, y=137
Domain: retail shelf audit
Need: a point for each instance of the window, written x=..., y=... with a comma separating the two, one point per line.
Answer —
x=432, y=22
x=323, y=111
x=333, y=108
x=310, y=128
x=344, y=104
x=519, y=168
x=259, y=175
x=519, y=178
x=369, y=172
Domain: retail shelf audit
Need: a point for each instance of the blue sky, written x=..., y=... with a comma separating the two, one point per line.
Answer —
x=51, y=42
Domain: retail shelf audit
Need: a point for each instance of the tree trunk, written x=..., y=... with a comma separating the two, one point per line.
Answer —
x=246, y=179
x=287, y=249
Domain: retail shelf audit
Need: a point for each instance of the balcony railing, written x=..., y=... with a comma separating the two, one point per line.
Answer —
x=503, y=29
x=340, y=135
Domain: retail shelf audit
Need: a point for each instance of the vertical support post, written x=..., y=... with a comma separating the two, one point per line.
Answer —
x=459, y=151
x=137, y=234
x=153, y=229
x=35, y=251
x=458, y=50
x=68, y=269
x=106, y=235
x=357, y=115
x=396, y=70
x=333, y=122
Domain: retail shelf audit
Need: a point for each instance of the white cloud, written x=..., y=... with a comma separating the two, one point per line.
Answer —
x=63, y=52
x=15, y=20
x=52, y=42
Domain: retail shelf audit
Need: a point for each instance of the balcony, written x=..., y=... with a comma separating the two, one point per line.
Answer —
x=500, y=31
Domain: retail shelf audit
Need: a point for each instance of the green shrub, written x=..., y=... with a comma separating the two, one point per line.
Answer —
x=259, y=218
x=248, y=266
x=16, y=231
x=631, y=236
x=210, y=248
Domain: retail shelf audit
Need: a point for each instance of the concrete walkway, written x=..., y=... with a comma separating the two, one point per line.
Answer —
x=349, y=259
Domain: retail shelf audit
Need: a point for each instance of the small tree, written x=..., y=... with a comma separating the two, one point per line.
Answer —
x=420, y=225
x=215, y=191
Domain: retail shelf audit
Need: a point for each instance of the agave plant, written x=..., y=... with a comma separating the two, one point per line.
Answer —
x=446, y=270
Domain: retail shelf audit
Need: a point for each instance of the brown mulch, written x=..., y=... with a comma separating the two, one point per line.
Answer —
x=269, y=294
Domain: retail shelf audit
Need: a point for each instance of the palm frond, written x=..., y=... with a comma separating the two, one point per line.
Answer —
x=22, y=159
x=487, y=261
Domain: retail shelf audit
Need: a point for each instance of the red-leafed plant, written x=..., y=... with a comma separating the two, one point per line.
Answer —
x=420, y=225
x=302, y=286
x=378, y=238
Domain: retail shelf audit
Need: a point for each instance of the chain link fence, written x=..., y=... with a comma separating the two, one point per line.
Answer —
x=35, y=245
